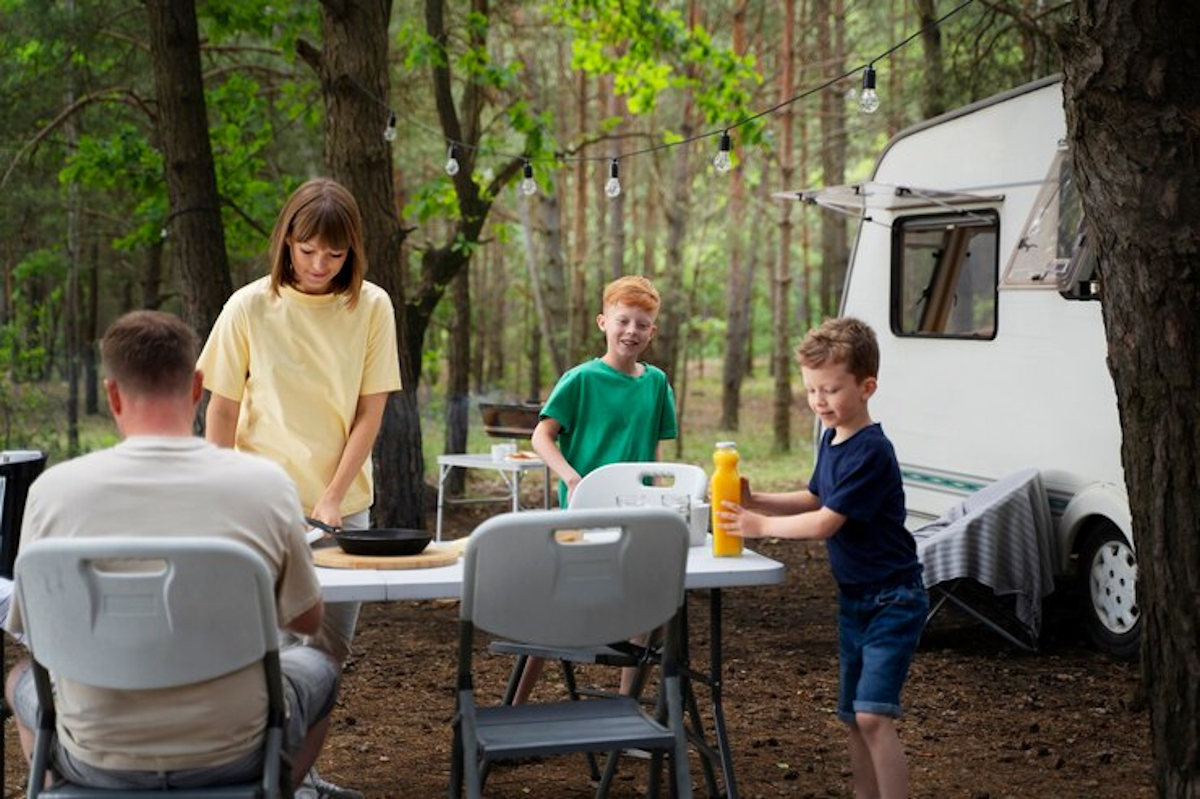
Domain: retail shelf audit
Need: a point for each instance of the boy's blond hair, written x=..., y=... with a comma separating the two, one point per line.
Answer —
x=844, y=340
x=632, y=290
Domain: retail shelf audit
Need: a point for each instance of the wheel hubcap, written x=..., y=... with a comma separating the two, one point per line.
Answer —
x=1113, y=583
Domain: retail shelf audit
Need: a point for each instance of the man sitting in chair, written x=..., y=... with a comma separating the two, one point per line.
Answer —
x=163, y=481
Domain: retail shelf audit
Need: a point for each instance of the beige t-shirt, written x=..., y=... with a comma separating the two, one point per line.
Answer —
x=161, y=487
x=298, y=364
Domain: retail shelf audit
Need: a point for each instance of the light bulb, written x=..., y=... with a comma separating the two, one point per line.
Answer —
x=869, y=102
x=452, y=162
x=613, y=187
x=528, y=184
x=389, y=133
x=721, y=161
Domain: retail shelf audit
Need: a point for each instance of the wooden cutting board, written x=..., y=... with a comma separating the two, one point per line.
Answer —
x=435, y=554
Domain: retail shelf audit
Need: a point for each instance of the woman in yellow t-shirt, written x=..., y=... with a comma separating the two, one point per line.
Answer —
x=300, y=363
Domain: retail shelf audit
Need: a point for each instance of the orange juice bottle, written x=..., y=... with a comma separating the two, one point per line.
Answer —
x=726, y=485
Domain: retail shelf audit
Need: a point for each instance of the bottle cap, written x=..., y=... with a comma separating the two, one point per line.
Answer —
x=726, y=445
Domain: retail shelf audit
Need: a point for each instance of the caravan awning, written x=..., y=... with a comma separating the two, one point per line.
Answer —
x=859, y=199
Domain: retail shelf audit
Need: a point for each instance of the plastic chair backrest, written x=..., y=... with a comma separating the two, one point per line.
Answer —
x=600, y=487
x=139, y=613
x=522, y=580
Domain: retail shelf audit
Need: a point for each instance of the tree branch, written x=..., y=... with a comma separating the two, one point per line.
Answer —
x=310, y=54
x=126, y=96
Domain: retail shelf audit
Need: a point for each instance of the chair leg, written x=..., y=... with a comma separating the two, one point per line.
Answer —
x=514, y=679
x=610, y=771
x=573, y=693
x=456, y=761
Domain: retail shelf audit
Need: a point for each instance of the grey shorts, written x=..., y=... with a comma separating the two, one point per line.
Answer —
x=310, y=679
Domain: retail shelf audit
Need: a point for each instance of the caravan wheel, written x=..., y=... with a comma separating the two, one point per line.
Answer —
x=1109, y=574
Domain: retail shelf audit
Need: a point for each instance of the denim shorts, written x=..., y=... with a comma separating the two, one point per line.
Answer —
x=310, y=679
x=877, y=636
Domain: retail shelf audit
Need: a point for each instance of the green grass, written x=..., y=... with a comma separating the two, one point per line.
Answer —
x=767, y=469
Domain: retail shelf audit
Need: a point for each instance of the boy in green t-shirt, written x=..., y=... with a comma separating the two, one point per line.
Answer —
x=612, y=409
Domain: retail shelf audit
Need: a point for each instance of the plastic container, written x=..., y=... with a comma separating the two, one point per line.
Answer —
x=726, y=486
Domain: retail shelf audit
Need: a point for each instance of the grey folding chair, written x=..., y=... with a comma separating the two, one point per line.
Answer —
x=600, y=488
x=524, y=581
x=653, y=483
x=142, y=614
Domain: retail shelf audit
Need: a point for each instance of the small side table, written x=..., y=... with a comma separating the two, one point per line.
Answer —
x=511, y=471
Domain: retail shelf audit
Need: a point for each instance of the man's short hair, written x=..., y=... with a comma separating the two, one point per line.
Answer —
x=633, y=290
x=150, y=352
x=844, y=340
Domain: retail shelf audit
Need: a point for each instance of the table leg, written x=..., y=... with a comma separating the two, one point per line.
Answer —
x=443, y=469
x=717, y=705
x=546, y=487
x=692, y=710
x=516, y=491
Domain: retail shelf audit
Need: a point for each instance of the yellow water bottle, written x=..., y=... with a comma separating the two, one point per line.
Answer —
x=726, y=486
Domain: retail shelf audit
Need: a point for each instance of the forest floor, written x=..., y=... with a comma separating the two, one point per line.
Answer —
x=984, y=720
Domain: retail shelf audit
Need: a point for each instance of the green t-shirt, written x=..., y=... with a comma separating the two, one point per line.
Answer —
x=610, y=417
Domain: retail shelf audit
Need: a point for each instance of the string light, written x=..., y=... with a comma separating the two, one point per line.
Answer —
x=452, y=161
x=869, y=101
x=613, y=187
x=528, y=184
x=721, y=161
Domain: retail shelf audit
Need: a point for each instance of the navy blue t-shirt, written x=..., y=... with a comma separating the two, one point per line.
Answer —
x=860, y=479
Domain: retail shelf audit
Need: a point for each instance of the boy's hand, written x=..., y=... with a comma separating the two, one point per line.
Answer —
x=740, y=522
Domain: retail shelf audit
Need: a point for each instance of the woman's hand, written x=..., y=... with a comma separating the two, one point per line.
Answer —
x=327, y=511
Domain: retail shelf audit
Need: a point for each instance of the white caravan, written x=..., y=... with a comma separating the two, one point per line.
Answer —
x=970, y=266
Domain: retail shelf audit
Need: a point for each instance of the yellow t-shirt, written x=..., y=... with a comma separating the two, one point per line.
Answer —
x=298, y=364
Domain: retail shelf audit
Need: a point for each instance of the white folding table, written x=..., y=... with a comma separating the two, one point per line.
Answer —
x=511, y=471
x=704, y=572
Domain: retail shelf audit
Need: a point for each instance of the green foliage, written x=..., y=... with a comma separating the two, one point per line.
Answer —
x=433, y=199
x=649, y=50
x=259, y=20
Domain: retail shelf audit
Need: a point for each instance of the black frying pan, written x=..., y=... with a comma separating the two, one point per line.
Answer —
x=384, y=541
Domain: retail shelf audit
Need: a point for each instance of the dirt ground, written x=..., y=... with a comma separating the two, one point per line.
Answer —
x=984, y=720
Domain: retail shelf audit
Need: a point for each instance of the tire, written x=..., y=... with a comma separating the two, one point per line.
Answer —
x=1108, y=592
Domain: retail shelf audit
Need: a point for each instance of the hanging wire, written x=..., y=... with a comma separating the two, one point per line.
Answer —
x=722, y=131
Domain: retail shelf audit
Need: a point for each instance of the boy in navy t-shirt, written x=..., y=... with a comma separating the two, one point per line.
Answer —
x=855, y=503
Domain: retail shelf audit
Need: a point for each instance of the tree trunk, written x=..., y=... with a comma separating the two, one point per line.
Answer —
x=91, y=335
x=458, y=398
x=1131, y=104
x=933, y=101
x=616, y=205
x=353, y=70
x=554, y=288
x=544, y=314
x=781, y=356
x=194, y=228
x=737, y=284
x=582, y=312
x=152, y=277
x=74, y=256
x=834, y=247
x=497, y=316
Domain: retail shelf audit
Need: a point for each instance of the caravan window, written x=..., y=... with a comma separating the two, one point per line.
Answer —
x=1052, y=252
x=944, y=273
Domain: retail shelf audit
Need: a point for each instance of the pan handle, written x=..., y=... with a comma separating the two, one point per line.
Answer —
x=329, y=528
